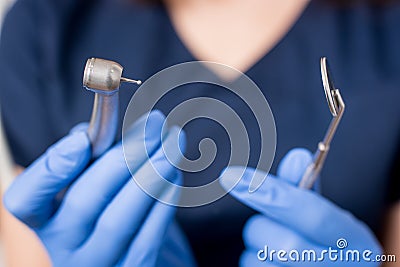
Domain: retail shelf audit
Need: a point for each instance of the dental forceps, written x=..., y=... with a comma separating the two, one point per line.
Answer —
x=336, y=106
x=103, y=77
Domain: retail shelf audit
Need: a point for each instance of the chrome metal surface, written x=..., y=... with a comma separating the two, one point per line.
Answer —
x=103, y=123
x=104, y=78
x=102, y=74
x=336, y=106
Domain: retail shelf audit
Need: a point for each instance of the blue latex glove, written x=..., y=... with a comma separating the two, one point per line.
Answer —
x=104, y=218
x=295, y=219
x=175, y=251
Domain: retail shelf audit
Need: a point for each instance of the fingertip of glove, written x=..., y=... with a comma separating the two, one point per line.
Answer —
x=80, y=127
x=300, y=154
x=234, y=177
x=14, y=205
x=156, y=113
x=242, y=179
x=69, y=153
x=7, y=201
x=148, y=128
x=75, y=143
x=294, y=164
x=153, y=119
x=171, y=151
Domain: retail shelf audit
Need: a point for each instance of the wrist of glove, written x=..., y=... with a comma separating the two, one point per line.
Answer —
x=297, y=221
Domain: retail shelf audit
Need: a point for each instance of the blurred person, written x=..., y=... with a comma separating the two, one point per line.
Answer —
x=278, y=45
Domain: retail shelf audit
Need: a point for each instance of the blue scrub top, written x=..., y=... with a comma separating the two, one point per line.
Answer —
x=45, y=44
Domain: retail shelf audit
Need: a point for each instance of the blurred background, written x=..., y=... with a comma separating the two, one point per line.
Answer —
x=5, y=170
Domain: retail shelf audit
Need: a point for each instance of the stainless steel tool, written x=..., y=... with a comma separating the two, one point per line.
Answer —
x=103, y=77
x=336, y=106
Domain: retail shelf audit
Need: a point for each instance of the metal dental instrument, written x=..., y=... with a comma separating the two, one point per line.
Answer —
x=336, y=106
x=103, y=77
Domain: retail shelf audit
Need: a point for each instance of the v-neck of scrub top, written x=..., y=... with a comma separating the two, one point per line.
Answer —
x=266, y=56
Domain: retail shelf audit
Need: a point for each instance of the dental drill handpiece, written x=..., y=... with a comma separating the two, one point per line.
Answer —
x=103, y=77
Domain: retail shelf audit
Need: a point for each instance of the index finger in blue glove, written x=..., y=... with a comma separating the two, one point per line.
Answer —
x=124, y=216
x=301, y=210
x=80, y=127
x=30, y=197
x=298, y=159
x=293, y=165
x=153, y=231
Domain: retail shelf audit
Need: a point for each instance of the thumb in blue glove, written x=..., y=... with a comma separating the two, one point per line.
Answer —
x=300, y=226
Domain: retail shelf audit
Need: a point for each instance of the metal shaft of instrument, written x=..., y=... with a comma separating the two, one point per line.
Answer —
x=126, y=80
x=103, y=123
x=314, y=169
x=103, y=77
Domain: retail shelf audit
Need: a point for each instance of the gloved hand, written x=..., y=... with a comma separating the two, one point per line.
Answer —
x=104, y=218
x=175, y=251
x=296, y=220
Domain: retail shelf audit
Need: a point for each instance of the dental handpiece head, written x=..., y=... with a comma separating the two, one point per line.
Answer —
x=104, y=78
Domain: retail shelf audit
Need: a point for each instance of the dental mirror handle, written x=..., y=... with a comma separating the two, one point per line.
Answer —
x=336, y=106
x=314, y=169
